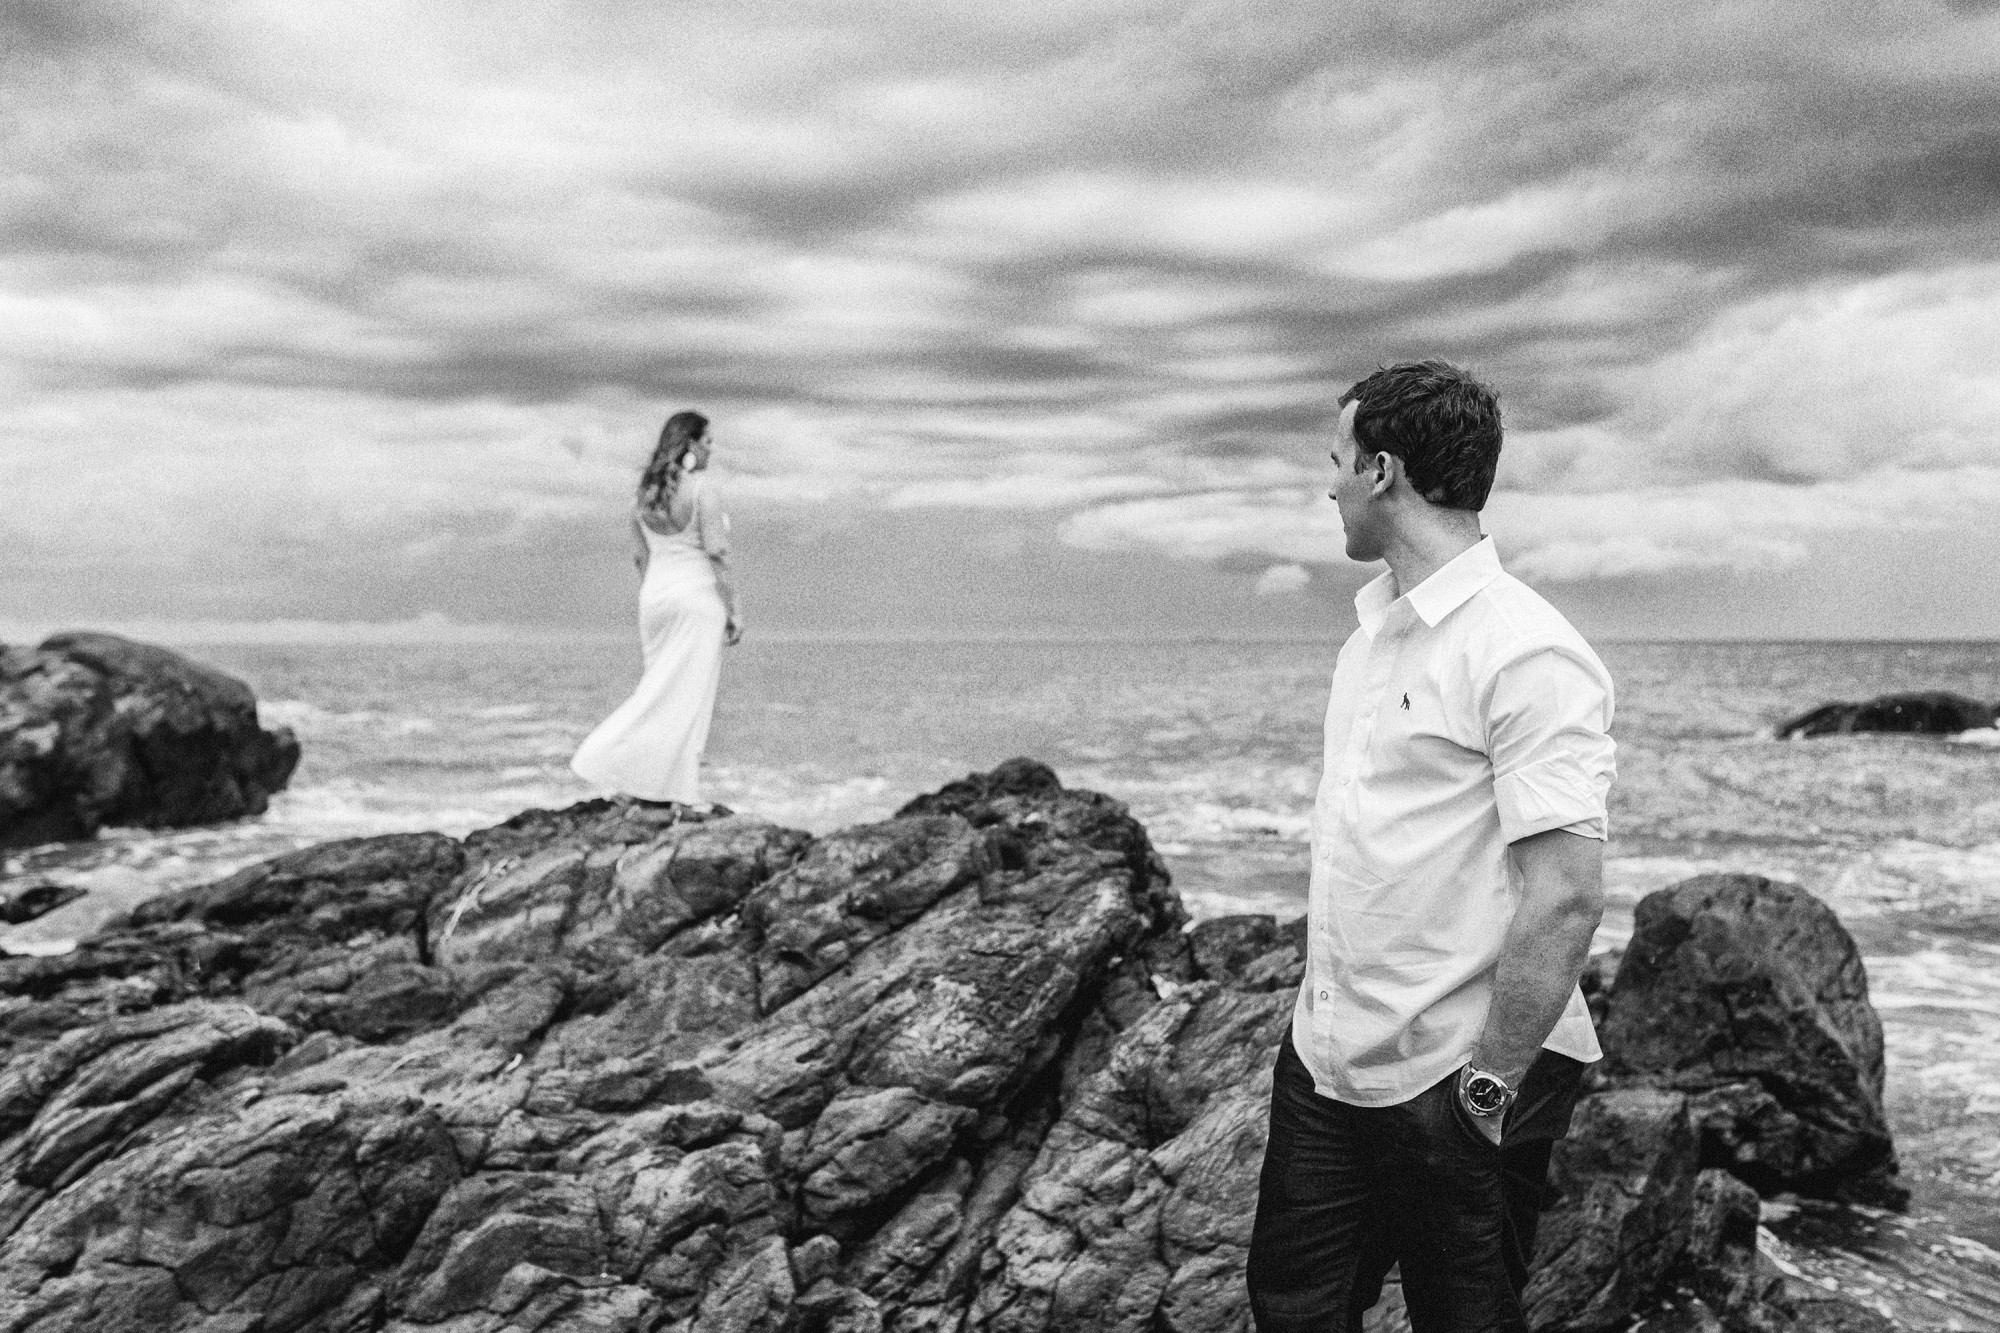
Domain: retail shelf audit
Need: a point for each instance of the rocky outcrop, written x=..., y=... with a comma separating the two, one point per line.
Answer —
x=1638, y=1220
x=601, y=1069
x=1741, y=1054
x=97, y=730
x=1926, y=713
x=623, y=1068
x=1750, y=995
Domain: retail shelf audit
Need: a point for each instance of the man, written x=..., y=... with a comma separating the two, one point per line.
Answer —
x=1439, y=1036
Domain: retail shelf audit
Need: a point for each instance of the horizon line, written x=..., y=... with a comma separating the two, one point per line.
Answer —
x=434, y=630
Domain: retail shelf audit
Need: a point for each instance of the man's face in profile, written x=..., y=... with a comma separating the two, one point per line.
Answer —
x=1351, y=491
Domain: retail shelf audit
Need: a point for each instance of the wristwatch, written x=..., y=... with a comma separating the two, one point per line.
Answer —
x=1484, y=1094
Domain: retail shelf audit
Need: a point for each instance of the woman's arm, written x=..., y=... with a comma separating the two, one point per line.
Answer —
x=712, y=531
x=640, y=551
x=732, y=632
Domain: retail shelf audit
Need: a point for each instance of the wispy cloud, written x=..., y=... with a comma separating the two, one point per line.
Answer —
x=1281, y=579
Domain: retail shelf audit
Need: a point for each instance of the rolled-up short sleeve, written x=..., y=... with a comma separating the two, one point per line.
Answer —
x=1548, y=734
x=711, y=524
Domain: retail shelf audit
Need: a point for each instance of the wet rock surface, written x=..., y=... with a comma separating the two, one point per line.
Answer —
x=97, y=730
x=1925, y=713
x=621, y=1068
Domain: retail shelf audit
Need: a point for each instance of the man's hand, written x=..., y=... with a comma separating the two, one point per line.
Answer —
x=1490, y=1125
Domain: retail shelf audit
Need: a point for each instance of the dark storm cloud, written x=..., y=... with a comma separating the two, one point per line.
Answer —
x=385, y=262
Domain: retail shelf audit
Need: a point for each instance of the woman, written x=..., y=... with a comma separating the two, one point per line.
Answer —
x=650, y=747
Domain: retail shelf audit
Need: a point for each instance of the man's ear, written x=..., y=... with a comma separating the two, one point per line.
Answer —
x=1388, y=468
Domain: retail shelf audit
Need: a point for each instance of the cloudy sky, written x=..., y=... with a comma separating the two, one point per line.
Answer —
x=1013, y=319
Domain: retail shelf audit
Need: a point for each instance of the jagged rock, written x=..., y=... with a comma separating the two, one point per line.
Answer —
x=487, y=1226
x=1722, y=1264
x=1251, y=952
x=1627, y=1174
x=852, y=889
x=1927, y=713
x=632, y=1070
x=327, y=937
x=1637, y=1225
x=647, y=1071
x=625, y=881
x=867, y=1145
x=96, y=730
x=1140, y=1202
x=276, y=1210
x=1751, y=994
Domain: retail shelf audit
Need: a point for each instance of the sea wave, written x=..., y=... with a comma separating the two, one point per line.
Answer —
x=815, y=802
x=1213, y=822
x=505, y=711
x=348, y=809
x=310, y=719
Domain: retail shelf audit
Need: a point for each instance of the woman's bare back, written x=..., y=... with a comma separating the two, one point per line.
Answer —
x=679, y=512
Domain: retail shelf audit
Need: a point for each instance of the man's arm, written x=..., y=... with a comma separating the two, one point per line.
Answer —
x=1562, y=900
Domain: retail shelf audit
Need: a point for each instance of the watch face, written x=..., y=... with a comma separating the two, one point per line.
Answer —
x=1485, y=1093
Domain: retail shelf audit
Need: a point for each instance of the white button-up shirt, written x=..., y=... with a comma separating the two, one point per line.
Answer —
x=1465, y=715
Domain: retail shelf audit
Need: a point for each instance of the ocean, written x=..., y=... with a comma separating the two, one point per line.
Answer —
x=1216, y=748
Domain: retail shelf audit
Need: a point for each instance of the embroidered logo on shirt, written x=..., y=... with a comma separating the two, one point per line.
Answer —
x=1406, y=701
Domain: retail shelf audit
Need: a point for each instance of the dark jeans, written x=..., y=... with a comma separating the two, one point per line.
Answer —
x=1348, y=1191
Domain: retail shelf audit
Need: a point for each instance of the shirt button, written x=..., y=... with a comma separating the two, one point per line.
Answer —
x=1325, y=994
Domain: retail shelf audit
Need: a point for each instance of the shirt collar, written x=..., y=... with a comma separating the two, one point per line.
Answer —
x=1449, y=588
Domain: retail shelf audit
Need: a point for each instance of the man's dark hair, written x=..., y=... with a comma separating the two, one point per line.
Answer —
x=1443, y=424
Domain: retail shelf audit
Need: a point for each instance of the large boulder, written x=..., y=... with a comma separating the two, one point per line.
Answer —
x=1750, y=995
x=1926, y=713
x=97, y=730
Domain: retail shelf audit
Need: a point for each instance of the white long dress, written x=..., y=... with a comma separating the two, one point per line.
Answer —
x=650, y=746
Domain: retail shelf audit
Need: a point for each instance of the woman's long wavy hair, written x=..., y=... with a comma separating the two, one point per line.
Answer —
x=663, y=473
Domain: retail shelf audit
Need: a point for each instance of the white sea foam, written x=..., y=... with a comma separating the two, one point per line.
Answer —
x=111, y=892
x=310, y=719
x=814, y=802
x=13, y=945
x=296, y=713
x=1206, y=904
x=1227, y=802
x=1958, y=1004
x=351, y=809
